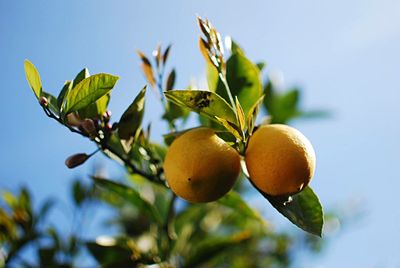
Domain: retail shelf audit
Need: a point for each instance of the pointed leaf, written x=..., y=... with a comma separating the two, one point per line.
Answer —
x=203, y=46
x=240, y=115
x=64, y=91
x=88, y=91
x=130, y=195
x=166, y=54
x=83, y=74
x=302, y=209
x=231, y=127
x=171, y=80
x=147, y=69
x=244, y=80
x=252, y=115
x=33, y=77
x=203, y=102
x=131, y=119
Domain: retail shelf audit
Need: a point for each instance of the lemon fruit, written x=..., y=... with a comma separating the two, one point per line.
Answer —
x=280, y=159
x=200, y=166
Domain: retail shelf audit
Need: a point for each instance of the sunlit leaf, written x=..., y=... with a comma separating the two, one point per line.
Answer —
x=252, y=115
x=88, y=91
x=203, y=102
x=131, y=119
x=33, y=77
x=240, y=115
x=83, y=74
x=203, y=46
x=147, y=69
x=231, y=127
x=96, y=109
x=244, y=81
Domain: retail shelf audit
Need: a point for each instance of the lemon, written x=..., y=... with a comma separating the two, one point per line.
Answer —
x=200, y=166
x=280, y=159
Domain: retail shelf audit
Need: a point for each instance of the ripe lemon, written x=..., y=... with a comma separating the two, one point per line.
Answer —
x=200, y=166
x=280, y=159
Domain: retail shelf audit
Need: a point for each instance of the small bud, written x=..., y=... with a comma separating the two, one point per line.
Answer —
x=76, y=160
x=43, y=101
x=107, y=116
x=89, y=126
x=108, y=127
x=74, y=120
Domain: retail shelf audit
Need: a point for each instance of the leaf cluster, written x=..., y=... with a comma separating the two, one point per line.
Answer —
x=189, y=235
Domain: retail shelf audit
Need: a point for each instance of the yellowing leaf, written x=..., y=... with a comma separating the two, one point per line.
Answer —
x=33, y=77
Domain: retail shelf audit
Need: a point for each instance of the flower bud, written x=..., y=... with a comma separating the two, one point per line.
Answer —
x=43, y=101
x=73, y=120
x=76, y=160
x=108, y=127
x=89, y=126
x=107, y=114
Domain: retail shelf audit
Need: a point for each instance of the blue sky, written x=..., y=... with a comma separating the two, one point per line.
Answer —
x=344, y=54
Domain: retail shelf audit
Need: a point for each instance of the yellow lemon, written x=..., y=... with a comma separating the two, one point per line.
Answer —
x=280, y=159
x=200, y=166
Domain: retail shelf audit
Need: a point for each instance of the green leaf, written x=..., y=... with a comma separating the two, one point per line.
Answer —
x=53, y=106
x=234, y=201
x=284, y=107
x=88, y=91
x=232, y=128
x=80, y=76
x=170, y=80
x=261, y=65
x=132, y=196
x=211, y=247
x=243, y=78
x=240, y=115
x=304, y=210
x=33, y=77
x=252, y=115
x=203, y=102
x=64, y=91
x=131, y=119
x=95, y=110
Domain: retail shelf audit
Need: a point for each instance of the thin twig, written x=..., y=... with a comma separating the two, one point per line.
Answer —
x=104, y=145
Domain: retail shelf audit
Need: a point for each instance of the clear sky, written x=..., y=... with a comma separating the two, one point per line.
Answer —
x=345, y=54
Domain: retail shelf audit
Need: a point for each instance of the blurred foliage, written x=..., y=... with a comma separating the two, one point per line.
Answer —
x=156, y=227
